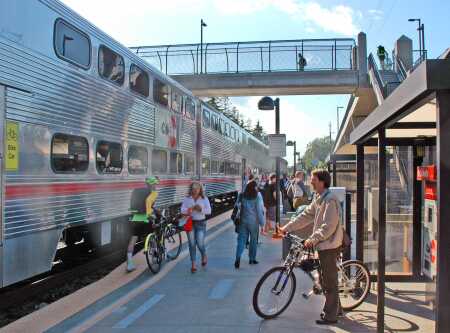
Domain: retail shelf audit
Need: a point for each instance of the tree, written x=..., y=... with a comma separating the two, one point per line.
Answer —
x=258, y=131
x=317, y=152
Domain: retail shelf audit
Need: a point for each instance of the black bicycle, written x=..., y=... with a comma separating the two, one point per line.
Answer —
x=163, y=242
x=276, y=288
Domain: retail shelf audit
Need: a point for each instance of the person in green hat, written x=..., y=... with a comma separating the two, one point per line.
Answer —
x=142, y=201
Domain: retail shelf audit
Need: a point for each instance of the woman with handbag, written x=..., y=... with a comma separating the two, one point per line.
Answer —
x=196, y=205
x=251, y=216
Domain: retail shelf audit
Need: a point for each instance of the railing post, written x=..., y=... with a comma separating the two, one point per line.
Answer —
x=262, y=61
x=296, y=68
x=167, y=57
x=228, y=66
x=335, y=55
x=196, y=57
x=160, y=61
x=193, y=61
x=237, y=58
x=348, y=223
x=270, y=62
x=206, y=58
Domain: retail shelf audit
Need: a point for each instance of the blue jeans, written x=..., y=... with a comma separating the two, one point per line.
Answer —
x=196, y=238
x=246, y=229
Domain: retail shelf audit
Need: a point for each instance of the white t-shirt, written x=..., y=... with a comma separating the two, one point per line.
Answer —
x=298, y=192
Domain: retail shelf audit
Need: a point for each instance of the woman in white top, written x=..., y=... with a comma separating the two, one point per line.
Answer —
x=197, y=206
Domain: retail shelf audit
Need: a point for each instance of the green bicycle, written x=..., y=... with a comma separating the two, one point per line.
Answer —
x=163, y=242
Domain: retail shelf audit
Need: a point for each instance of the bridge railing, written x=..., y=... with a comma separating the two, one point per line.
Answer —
x=250, y=57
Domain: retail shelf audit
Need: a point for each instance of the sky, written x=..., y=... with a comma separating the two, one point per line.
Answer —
x=303, y=118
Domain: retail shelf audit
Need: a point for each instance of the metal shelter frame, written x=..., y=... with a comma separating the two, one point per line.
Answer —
x=429, y=81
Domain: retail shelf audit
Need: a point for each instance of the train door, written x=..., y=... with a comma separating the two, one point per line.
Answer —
x=2, y=145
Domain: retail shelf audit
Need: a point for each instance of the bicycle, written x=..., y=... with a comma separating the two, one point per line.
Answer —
x=163, y=242
x=279, y=283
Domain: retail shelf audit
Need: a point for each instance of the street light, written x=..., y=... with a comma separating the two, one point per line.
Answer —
x=202, y=25
x=337, y=112
x=293, y=143
x=267, y=104
x=421, y=30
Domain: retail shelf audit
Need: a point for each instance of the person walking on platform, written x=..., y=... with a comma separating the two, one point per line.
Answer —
x=197, y=206
x=251, y=217
x=270, y=203
x=297, y=191
x=326, y=237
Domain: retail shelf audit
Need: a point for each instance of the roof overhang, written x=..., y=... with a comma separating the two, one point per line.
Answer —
x=411, y=102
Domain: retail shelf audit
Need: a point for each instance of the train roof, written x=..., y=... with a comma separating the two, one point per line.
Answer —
x=90, y=28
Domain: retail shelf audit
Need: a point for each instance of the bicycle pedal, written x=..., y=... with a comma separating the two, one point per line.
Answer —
x=307, y=295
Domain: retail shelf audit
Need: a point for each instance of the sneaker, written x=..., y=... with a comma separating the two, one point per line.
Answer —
x=130, y=266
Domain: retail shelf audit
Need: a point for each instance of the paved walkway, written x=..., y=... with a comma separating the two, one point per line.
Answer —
x=218, y=299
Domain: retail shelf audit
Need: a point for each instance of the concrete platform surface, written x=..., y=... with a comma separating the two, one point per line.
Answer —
x=218, y=298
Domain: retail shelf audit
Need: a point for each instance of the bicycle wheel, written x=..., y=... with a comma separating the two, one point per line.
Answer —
x=153, y=254
x=354, y=284
x=274, y=292
x=172, y=242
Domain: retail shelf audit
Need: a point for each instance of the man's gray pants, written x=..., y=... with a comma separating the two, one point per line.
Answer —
x=329, y=282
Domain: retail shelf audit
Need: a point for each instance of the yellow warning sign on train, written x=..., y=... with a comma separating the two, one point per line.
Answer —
x=12, y=146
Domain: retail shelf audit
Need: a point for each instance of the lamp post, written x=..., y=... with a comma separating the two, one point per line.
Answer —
x=337, y=114
x=293, y=143
x=268, y=104
x=202, y=25
x=421, y=30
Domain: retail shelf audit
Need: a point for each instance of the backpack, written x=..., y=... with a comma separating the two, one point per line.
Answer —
x=236, y=214
x=346, y=239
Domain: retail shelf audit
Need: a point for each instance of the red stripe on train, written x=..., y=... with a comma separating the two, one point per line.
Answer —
x=33, y=190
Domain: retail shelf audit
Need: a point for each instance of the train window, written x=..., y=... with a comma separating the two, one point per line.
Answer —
x=206, y=119
x=69, y=153
x=227, y=130
x=111, y=65
x=159, y=161
x=109, y=157
x=176, y=163
x=205, y=167
x=137, y=160
x=71, y=44
x=176, y=101
x=215, y=123
x=221, y=126
x=160, y=92
x=189, y=164
x=214, y=167
x=190, y=108
x=139, y=80
x=222, y=167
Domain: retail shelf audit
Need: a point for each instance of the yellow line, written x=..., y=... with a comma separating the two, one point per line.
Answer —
x=125, y=299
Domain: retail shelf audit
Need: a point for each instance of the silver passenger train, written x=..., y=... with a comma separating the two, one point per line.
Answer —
x=84, y=121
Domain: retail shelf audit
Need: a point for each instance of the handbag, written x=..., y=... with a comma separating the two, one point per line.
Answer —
x=236, y=214
x=186, y=223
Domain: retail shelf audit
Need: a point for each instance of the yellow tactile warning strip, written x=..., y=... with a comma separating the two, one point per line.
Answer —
x=56, y=312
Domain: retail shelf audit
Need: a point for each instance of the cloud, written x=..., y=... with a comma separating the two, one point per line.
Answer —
x=375, y=14
x=338, y=19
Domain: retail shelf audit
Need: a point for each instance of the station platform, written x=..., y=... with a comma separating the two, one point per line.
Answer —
x=217, y=298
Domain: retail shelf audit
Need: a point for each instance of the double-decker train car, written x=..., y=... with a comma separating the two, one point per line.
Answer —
x=83, y=121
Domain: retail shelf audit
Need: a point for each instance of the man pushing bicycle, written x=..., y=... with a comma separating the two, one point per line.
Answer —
x=326, y=238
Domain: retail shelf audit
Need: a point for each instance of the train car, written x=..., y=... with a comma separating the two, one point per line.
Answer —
x=84, y=121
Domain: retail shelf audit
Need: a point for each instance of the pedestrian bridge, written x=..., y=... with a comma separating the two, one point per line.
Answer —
x=262, y=67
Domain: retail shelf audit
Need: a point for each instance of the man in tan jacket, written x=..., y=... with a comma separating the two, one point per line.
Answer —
x=326, y=237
